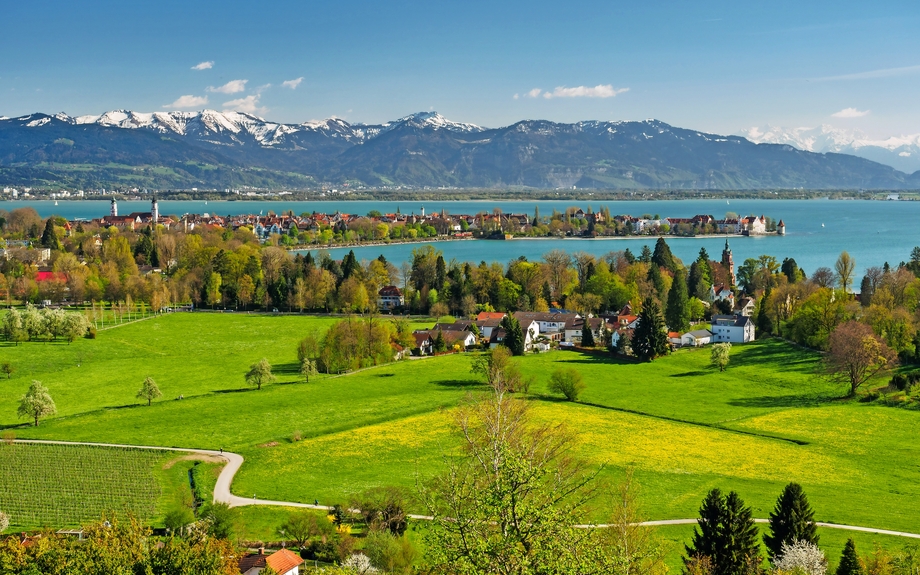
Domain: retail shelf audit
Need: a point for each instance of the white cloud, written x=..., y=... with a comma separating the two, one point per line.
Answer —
x=516, y=96
x=204, y=65
x=599, y=91
x=188, y=101
x=850, y=113
x=231, y=87
x=249, y=105
x=533, y=93
x=292, y=84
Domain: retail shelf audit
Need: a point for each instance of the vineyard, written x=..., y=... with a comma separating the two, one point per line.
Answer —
x=66, y=485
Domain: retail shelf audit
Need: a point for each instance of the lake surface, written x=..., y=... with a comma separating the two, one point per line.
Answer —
x=873, y=232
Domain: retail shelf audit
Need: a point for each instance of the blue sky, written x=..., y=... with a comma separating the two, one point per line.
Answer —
x=716, y=66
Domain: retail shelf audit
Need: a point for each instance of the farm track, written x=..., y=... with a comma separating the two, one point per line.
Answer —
x=222, y=492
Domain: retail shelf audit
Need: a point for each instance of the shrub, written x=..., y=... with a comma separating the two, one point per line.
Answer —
x=91, y=333
x=568, y=382
x=802, y=556
x=899, y=382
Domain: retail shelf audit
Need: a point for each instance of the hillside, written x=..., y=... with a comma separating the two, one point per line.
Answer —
x=218, y=150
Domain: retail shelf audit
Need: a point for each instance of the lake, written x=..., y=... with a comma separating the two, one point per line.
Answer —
x=873, y=232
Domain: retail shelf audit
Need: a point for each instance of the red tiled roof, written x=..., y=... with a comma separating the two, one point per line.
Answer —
x=283, y=561
x=490, y=315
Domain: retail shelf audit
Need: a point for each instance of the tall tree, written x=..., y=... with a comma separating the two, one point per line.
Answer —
x=791, y=270
x=49, y=236
x=792, y=520
x=36, y=403
x=677, y=313
x=726, y=534
x=720, y=355
x=514, y=335
x=855, y=355
x=849, y=560
x=844, y=268
x=650, y=339
x=657, y=280
x=149, y=390
x=587, y=334
x=663, y=257
x=645, y=256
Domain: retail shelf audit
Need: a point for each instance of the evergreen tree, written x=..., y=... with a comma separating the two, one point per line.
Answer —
x=677, y=313
x=49, y=236
x=663, y=256
x=697, y=284
x=866, y=291
x=655, y=278
x=849, y=560
x=587, y=336
x=646, y=255
x=650, y=340
x=439, y=345
x=790, y=269
x=514, y=335
x=440, y=273
x=350, y=265
x=791, y=520
x=726, y=534
x=628, y=255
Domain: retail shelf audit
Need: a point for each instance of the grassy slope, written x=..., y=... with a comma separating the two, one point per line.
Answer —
x=675, y=421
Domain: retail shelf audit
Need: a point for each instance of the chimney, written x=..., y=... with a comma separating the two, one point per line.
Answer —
x=262, y=550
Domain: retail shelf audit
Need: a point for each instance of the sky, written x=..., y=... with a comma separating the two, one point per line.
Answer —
x=715, y=66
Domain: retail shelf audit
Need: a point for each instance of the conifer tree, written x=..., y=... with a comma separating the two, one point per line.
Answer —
x=514, y=335
x=650, y=340
x=49, y=236
x=587, y=336
x=849, y=560
x=663, y=256
x=791, y=520
x=726, y=535
x=677, y=314
x=764, y=323
x=657, y=280
x=646, y=255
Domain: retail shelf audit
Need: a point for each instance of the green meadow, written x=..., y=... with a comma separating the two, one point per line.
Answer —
x=682, y=426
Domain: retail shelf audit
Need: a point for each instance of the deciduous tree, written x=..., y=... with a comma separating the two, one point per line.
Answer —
x=720, y=355
x=260, y=373
x=149, y=390
x=567, y=381
x=36, y=403
x=856, y=355
x=844, y=268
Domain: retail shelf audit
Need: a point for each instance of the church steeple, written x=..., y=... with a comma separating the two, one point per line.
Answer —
x=154, y=211
x=113, y=210
x=728, y=262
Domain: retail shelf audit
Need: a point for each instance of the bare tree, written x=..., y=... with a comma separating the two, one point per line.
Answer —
x=824, y=277
x=844, y=267
x=855, y=355
x=557, y=263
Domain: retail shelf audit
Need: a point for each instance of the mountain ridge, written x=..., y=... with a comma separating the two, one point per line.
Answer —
x=232, y=149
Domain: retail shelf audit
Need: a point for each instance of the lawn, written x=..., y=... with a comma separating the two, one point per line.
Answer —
x=680, y=425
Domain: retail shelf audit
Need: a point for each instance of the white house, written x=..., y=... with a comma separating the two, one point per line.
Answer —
x=745, y=306
x=390, y=297
x=732, y=328
x=721, y=292
x=549, y=324
x=283, y=562
x=696, y=338
x=575, y=326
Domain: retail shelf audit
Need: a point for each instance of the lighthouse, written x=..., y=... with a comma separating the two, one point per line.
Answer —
x=154, y=211
x=113, y=211
x=781, y=228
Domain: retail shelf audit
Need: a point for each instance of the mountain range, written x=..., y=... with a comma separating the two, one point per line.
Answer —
x=210, y=149
x=899, y=152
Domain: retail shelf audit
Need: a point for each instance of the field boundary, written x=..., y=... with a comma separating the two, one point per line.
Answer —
x=222, y=493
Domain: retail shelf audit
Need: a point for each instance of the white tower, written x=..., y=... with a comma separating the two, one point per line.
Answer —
x=154, y=210
x=423, y=211
x=113, y=211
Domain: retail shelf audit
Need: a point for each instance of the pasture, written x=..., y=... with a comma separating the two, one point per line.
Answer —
x=682, y=426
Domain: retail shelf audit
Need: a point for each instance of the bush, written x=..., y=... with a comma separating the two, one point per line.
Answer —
x=91, y=333
x=568, y=382
x=870, y=397
x=899, y=382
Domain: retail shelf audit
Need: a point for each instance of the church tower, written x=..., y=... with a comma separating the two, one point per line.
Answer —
x=113, y=211
x=728, y=263
x=154, y=211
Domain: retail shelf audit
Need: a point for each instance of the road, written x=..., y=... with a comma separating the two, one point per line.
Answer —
x=234, y=461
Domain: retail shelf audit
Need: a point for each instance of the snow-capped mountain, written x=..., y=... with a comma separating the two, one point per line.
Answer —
x=241, y=128
x=228, y=149
x=900, y=152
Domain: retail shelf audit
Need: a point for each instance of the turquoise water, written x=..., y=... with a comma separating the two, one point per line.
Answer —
x=873, y=232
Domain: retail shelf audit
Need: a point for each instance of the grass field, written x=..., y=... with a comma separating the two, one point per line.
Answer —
x=683, y=427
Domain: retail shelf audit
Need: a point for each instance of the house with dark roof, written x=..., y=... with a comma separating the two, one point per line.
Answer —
x=390, y=297
x=732, y=329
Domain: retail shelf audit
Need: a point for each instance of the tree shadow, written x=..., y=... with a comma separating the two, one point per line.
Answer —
x=787, y=401
x=459, y=383
x=292, y=368
x=240, y=390
x=696, y=373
